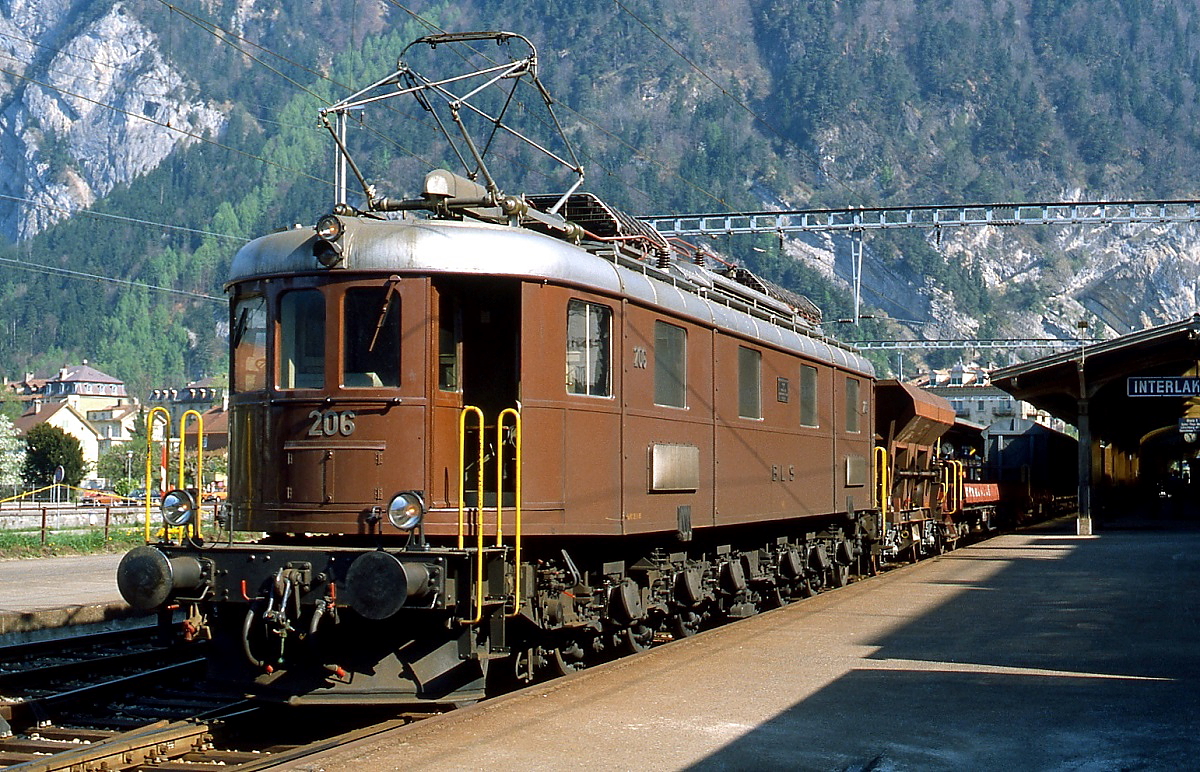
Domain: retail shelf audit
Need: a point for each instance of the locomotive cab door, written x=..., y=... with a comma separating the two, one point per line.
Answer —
x=477, y=345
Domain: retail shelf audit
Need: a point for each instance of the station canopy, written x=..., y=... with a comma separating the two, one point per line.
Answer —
x=1135, y=386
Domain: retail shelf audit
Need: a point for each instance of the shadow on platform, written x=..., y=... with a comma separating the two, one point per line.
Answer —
x=1074, y=653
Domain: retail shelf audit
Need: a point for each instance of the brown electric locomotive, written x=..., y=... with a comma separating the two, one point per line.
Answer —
x=481, y=433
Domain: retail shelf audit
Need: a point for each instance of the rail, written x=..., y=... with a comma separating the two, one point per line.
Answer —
x=148, y=745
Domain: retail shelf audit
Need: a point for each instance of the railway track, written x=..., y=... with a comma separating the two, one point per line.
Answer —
x=131, y=700
x=242, y=737
x=36, y=679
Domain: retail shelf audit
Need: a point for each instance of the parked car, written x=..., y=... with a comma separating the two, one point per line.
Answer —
x=100, y=499
x=139, y=496
x=215, y=497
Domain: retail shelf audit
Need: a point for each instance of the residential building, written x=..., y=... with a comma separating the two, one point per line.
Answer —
x=199, y=395
x=970, y=392
x=114, y=425
x=70, y=420
x=85, y=388
x=84, y=402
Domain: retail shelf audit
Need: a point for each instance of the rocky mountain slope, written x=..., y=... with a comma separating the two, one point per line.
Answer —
x=88, y=104
x=200, y=115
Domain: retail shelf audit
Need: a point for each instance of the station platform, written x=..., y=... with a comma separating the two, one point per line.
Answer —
x=1033, y=651
x=47, y=593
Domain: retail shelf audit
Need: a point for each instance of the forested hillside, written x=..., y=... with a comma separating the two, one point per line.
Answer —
x=733, y=105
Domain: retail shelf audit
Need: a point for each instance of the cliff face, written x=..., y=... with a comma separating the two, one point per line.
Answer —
x=1117, y=278
x=91, y=105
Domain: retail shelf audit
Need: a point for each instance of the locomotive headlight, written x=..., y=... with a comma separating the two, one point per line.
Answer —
x=330, y=228
x=327, y=250
x=178, y=508
x=406, y=510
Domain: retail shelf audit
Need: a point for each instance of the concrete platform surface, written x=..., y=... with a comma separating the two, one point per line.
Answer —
x=54, y=592
x=1026, y=652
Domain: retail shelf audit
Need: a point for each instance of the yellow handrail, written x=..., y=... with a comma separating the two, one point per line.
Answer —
x=462, y=501
x=199, y=461
x=882, y=487
x=516, y=416
x=961, y=483
x=951, y=483
x=149, y=448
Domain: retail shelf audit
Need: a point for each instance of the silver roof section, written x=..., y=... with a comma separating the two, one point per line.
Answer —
x=430, y=246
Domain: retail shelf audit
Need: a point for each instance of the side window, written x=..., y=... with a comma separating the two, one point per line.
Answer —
x=371, y=349
x=589, y=349
x=248, y=336
x=302, y=340
x=670, y=365
x=449, y=343
x=852, y=406
x=749, y=383
x=808, y=396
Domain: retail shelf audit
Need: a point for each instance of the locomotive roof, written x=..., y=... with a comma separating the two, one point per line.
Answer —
x=432, y=246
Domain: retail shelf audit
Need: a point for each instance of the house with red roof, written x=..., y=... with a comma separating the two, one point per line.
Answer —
x=67, y=418
x=84, y=402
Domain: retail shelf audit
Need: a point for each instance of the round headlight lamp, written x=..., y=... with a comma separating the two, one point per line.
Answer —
x=326, y=249
x=330, y=228
x=178, y=508
x=406, y=510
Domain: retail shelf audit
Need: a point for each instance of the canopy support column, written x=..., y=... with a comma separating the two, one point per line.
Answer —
x=1084, y=523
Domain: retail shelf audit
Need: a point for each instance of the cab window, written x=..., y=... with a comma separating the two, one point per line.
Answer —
x=449, y=343
x=248, y=336
x=371, y=348
x=302, y=340
x=589, y=349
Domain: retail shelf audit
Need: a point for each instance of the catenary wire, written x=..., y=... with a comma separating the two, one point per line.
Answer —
x=121, y=218
x=54, y=271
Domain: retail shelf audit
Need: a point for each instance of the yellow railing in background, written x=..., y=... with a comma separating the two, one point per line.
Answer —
x=516, y=416
x=183, y=420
